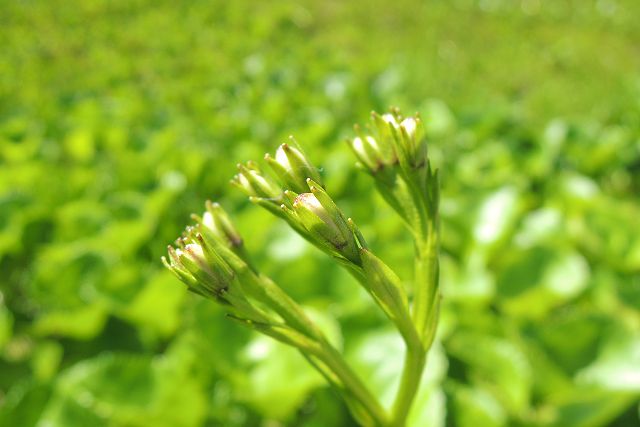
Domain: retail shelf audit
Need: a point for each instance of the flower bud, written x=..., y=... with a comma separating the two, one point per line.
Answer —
x=217, y=220
x=324, y=221
x=415, y=149
x=292, y=167
x=254, y=183
x=383, y=282
x=176, y=267
x=208, y=267
x=198, y=266
x=386, y=126
x=405, y=134
x=367, y=150
x=391, y=118
x=206, y=263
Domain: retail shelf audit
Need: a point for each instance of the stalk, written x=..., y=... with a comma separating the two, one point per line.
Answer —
x=324, y=352
x=414, y=363
x=334, y=360
x=426, y=281
x=425, y=319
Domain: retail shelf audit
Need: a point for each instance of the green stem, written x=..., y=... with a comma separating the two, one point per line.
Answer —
x=426, y=282
x=291, y=312
x=414, y=363
x=425, y=318
x=265, y=290
x=334, y=360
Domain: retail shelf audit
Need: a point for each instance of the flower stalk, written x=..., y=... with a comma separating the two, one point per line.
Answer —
x=210, y=257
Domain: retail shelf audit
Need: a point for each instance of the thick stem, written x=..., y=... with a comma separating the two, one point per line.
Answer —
x=425, y=318
x=414, y=362
x=400, y=316
x=426, y=282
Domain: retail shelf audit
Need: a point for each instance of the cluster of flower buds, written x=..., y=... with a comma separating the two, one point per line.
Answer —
x=394, y=153
x=208, y=258
x=301, y=200
x=398, y=141
x=211, y=260
x=406, y=135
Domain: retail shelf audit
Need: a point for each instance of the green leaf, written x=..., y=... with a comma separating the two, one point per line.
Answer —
x=617, y=367
x=496, y=215
x=24, y=404
x=475, y=406
x=80, y=323
x=536, y=280
x=497, y=365
x=6, y=324
x=46, y=360
x=279, y=382
x=118, y=389
x=157, y=306
x=468, y=282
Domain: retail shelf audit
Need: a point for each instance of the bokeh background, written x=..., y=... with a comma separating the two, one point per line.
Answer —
x=119, y=119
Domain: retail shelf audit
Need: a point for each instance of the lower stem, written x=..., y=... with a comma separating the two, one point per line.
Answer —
x=334, y=361
x=414, y=362
x=323, y=351
x=425, y=318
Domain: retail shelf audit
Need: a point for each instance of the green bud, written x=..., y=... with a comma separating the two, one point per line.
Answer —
x=254, y=183
x=405, y=135
x=323, y=220
x=217, y=220
x=367, y=151
x=414, y=148
x=290, y=197
x=292, y=167
x=206, y=266
x=197, y=264
x=175, y=266
x=386, y=125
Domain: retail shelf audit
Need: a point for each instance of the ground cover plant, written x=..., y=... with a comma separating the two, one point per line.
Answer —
x=117, y=120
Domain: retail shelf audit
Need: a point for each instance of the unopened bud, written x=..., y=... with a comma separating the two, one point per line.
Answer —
x=370, y=154
x=251, y=180
x=217, y=220
x=199, y=267
x=415, y=149
x=206, y=265
x=292, y=167
x=391, y=119
x=405, y=135
x=323, y=220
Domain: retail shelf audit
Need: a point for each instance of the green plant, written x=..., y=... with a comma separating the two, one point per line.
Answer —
x=211, y=260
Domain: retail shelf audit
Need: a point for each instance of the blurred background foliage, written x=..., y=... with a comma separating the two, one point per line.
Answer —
x=118, y=119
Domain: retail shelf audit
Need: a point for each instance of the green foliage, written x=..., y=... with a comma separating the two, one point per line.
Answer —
x=117, y=120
